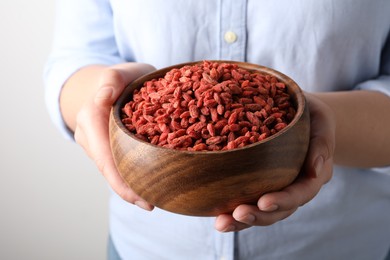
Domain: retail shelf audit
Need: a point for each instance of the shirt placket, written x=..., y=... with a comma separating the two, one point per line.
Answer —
x=233, y=29
x=232, y=38
x=224, y=245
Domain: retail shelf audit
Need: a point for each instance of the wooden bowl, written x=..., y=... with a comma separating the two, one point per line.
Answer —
x=210, y=183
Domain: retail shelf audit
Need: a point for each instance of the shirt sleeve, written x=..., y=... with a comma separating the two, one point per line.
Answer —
x=83, y=36
x=382, y=82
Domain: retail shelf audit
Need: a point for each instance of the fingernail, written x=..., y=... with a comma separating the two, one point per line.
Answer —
x=270, y=208
x=229, y=228
x=104, y=93
x=142, y=205
x=248, y=219
x=318, y=166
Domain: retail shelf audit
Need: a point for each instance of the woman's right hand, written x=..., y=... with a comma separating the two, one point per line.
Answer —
x=91, y=130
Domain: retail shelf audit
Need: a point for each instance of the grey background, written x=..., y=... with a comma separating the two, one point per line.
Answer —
x=53, y=201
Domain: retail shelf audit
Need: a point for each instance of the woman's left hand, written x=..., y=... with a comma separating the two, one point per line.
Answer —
x=317, y=170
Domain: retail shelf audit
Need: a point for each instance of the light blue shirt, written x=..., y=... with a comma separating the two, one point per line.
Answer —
x=323, y=45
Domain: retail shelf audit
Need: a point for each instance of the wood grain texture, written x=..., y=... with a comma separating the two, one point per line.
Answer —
x=210, y=183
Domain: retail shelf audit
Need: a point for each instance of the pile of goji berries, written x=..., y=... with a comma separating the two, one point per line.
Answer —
x=208, y=107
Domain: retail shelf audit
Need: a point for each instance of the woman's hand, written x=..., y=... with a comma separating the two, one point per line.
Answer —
x=91, y=130
x=275, y=206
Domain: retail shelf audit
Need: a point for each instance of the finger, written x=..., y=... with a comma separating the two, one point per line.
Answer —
x=106, y=169
x=94, y=125
x=109, y=171
x=226, y=223
x=319, y=152
x=295, y=195
x=82, y=140
x=322, y=136
x=252, y=216
x=100, y=150
x=300, y=192
x=92, y=134
x=115, y=78
x=245, y=216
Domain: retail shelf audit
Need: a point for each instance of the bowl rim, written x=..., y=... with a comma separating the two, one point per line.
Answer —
x=138, y=83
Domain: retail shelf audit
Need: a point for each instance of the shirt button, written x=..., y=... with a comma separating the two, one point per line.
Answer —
x=230, y=37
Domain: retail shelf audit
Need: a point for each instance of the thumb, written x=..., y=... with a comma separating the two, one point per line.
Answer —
x=105, y=96
x=115, y=78
x=322, y=136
